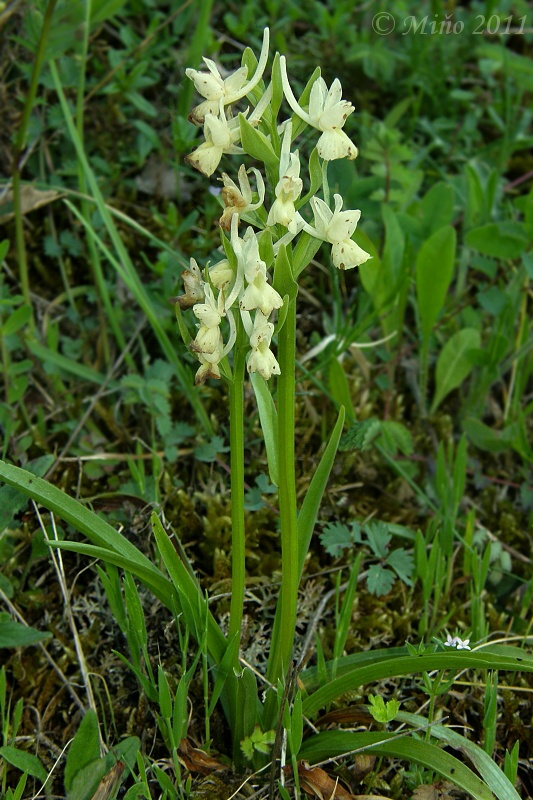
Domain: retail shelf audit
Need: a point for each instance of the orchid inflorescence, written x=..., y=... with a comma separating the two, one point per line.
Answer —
x=240, y=282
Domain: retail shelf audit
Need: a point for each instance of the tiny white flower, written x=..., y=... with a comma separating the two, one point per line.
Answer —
x=327, y=112
x=337, y=227
x=238, y=199
x=457, y=642
x=221, y=136
x=215, y=89
x=193, y=285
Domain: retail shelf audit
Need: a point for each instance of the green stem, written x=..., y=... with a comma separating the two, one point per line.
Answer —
x=283, y=636
x=237, y=500
x=20, y=143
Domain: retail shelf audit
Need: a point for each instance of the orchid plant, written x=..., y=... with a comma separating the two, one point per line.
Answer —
x=247, y=299
x=242, y=312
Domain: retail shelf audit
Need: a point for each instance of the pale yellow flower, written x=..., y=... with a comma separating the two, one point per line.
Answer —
x=337, y=227
x=327, y=112
x=238, y=199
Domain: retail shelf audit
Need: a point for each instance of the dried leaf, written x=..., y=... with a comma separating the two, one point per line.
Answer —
x=363, y=764
x=30, y=199
x=195, y=760
x=108, y=786
x=317, y=783
x=434, y=791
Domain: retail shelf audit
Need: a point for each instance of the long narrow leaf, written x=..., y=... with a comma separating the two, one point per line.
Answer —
x=313, y=498
x=268, y=417
x=72, y=511
x=487, y=768
x=184, y=581
x=407, y=666
x=150, y=576
x=332, y=744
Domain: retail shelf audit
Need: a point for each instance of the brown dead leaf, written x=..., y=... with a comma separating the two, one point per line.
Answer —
x=433, y=791
x=317, y=783
x=363, y=764
x=195, y=760
x=30, y=199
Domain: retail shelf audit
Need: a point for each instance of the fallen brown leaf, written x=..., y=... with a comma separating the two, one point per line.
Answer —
x=317, y=783
x=30, y=199
x=195, y=760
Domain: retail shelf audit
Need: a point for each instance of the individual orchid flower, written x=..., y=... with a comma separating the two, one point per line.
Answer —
x=208, y=368
x=211, y=312
x=337, y=228
x=261, y=358
x=238, y=199
x=289, y=186
x=327, y=112
x=221, y=274
x=193, y=285
x=221, y=136
x=258, y=293
x=218, y=90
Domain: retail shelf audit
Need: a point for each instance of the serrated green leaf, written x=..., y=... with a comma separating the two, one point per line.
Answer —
x=380, y=580
x=403, y=565
x=361, y=435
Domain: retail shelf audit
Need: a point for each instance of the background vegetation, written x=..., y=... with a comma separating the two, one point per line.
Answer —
x=100, y=214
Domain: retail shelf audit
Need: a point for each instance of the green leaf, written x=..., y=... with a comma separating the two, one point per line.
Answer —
x=434, y=272
x=380, y=580
x=257, y=145
x=188, y=586
x=408, y=665
x=208, y=451
x=486, y=767
x=25, y=762
x=454, y=363
x=15, y=634
x=111, y=544
x=395, y=436
x=283, y=281
x=435, y=210
x=84, y=749
x=16, y=320
x=378, y=537
x=333, y=744
x=309, y=510
x=381, y=711
x=486, y=438
x=403, y=564
x=12, y=500
x=505, y=240
x=4, y=249
x=337, y=537
x=268, y=417
x=361, y=435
